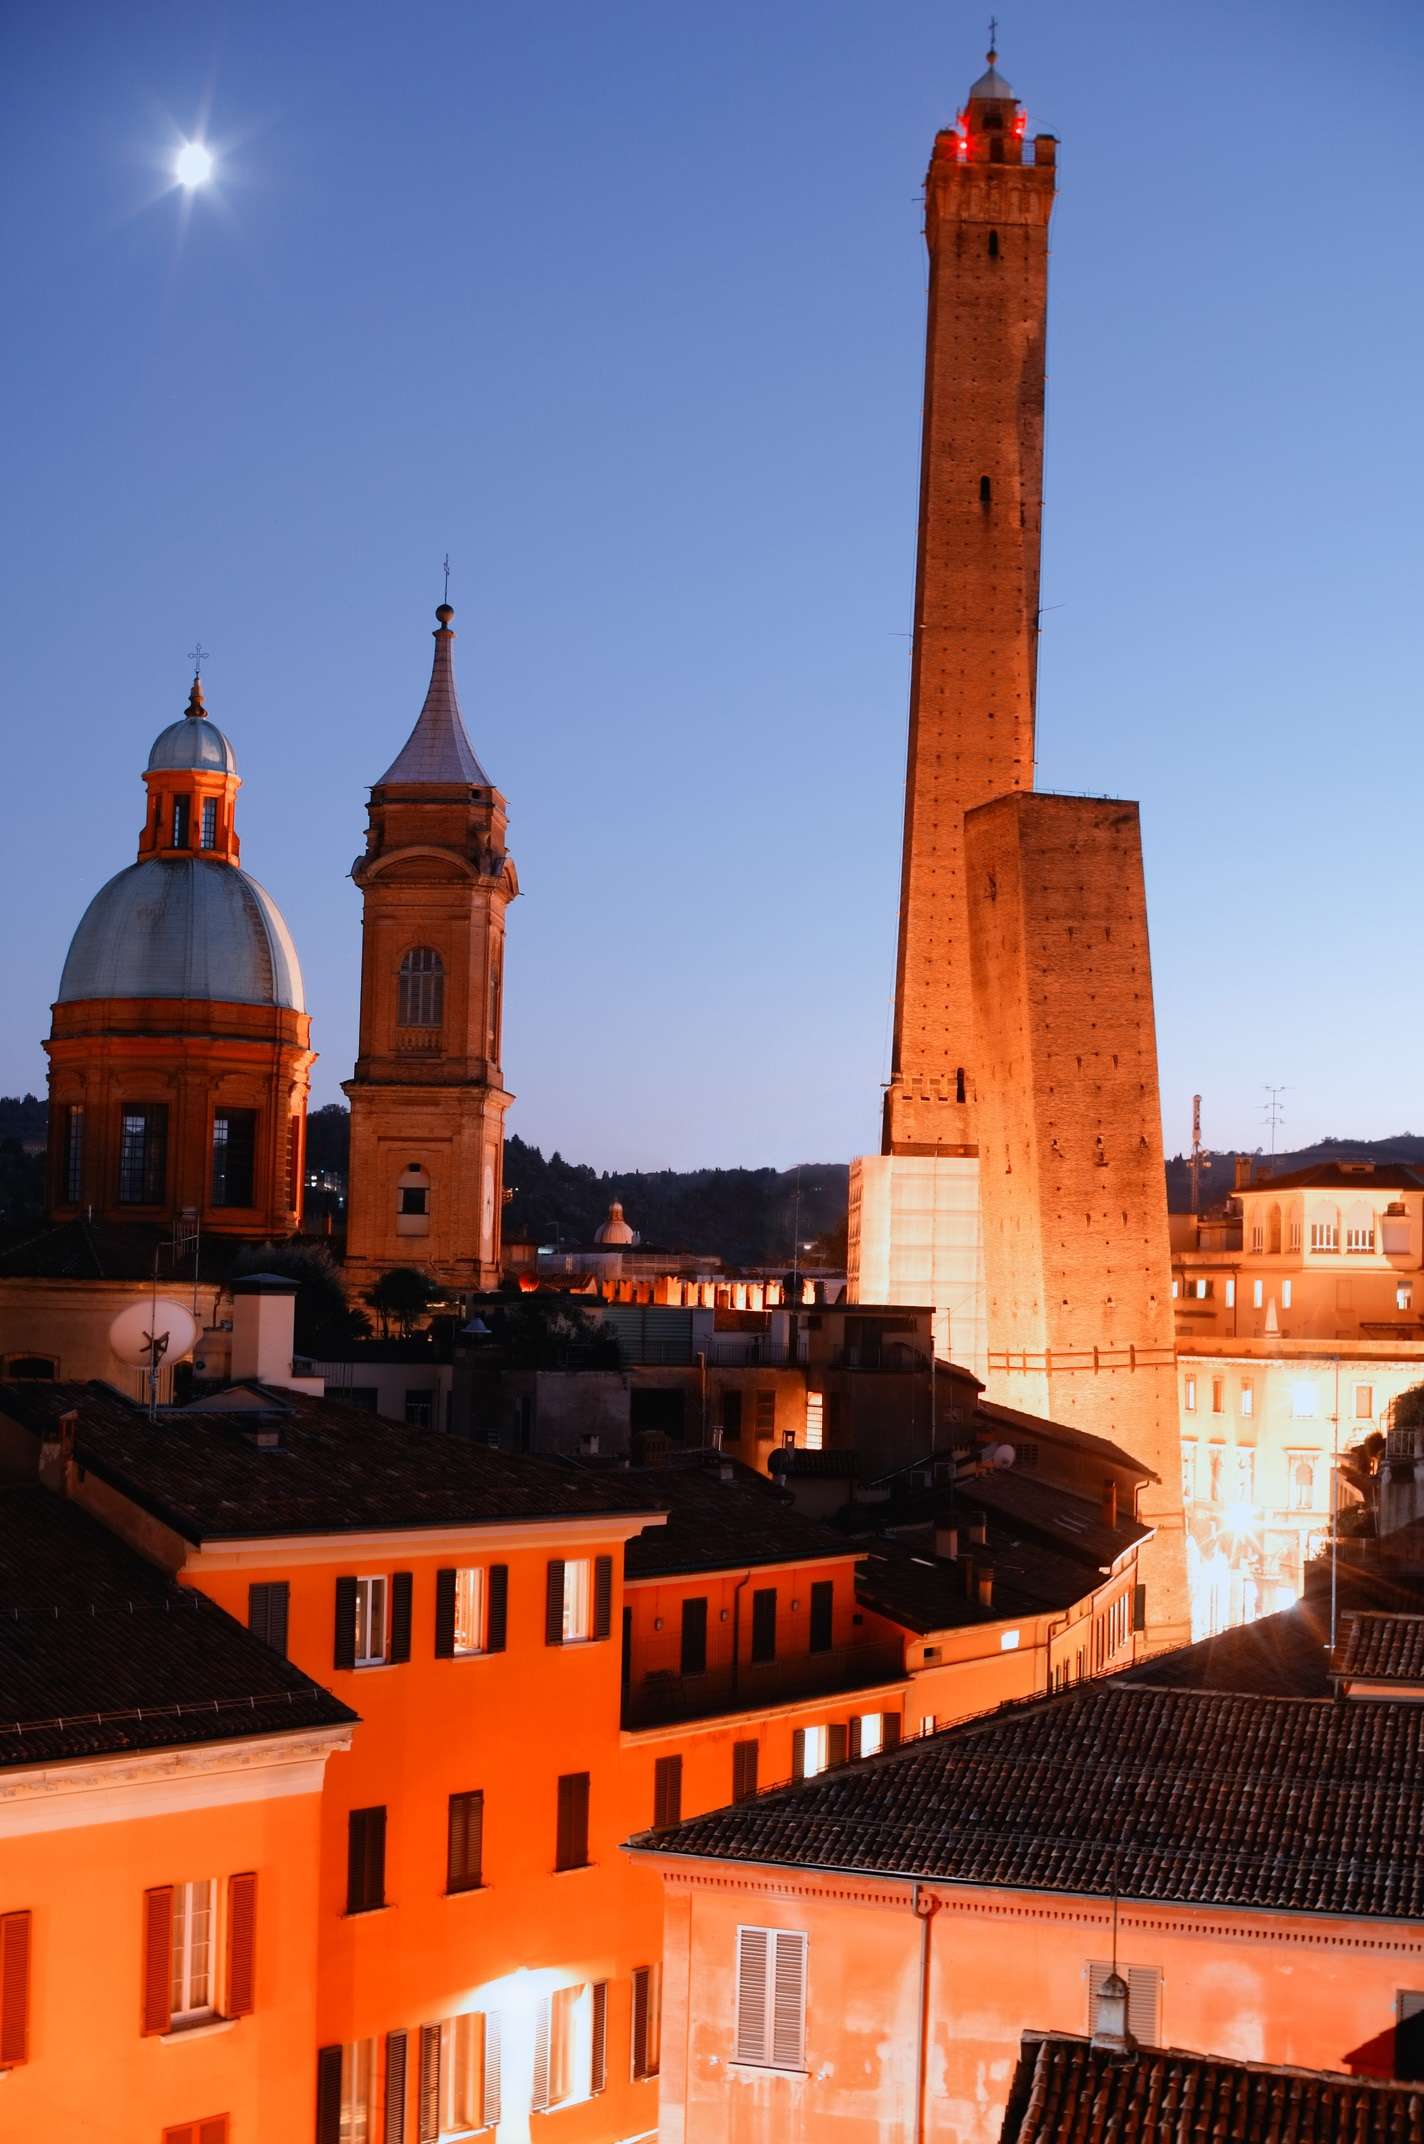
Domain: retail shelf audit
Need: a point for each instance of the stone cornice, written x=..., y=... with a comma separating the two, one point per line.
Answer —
x=117, y=1789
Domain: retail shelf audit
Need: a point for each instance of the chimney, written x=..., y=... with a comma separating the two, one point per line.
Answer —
x=263, y=1316
x=984, y=1584
x=946, y=1542
x=978, y=1532
x=1110, y=1503
x=1245, y=1169
x=57, y=1453
x=1110, y=2017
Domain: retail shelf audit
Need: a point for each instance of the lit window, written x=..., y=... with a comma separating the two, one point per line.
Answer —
x=370, y=1622
x=1176, y=1289
x=1303, y=1400
x=771, y=1998
x=422, y=988
x=872, y=1733
x=578, y=1599
x=1231, y=1293
x=1189, y=1393
x=1364, y=1403
x=461, y=2082
x=234, y=1151
x=470, y=1596
x=1285, y=1295
x=358, y=2092
x=1404, y=1295
x=815, y=1411
x=1248, y=1396
x=210, y=822
x=1008, y=1641
x=190, y=1991
x=1201, y=1289
x=815, y=1750
x=1257, y=1294
x=570, y=2046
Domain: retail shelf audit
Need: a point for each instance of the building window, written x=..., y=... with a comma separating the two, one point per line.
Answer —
x=210, y=822
x=1285, y=1295
x=267, y=1604
x=180, y=823
x=823, y=1597
x=771, y=1998
x=993, y=245
x=744, y=1770
x=571, y=1843
x=420, y=1408
x=1258, y=1237
x=1303, y=1400
x=815, y=1421
x=1409, y=2036
x=358, y=2093
x=1325, y=1235
x=1218, y=1395
x=143, y=1153
x=74, y=1153
x=1302, y=1481
x=1258, y=1294
x=731, y=1417
x=766, y=1414
x=1189, y=1471
x=986, y=491
x=414, y=1198
x=693, y=1656
x=1189, y=1393
x=1360, y=1237
x=1248, y=1396
x=365, y=1860
x=464, y=1843
x=764, y=1623
x=647, y=2020
x=234, y=1149
x=570, y=2046
x=579, y=1600
x=813, y=1749
x=1231, y=1293
x=496, y=1002
x=471, y=1610
x=1364, y=1403
x=1404, y=1295
x=211, y=2129
x=1293, y=1232
x=667, y=1792
x=370, y=1622
x=1144, y=1999
x=422, y=988
x=190, y=1991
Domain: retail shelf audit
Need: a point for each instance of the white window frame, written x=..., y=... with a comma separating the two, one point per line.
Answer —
x=186, y=1979
x=1231, y=1292
x=815, y=1750
x=578, y=1599
x=1325, y=1235
x=1258, y=1294
x=769, y=2029
x=1360, y=1239
x=471, y=1610
x=1404, y=1295
x=1285, y=1295
x=1189, y=1392
x=462, y=2080
x=570, y=2045
x=872, y=1733
x=1248, y=1396
x=372, y=1617
x=358, y=2092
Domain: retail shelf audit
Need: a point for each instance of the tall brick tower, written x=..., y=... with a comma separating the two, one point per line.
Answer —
x=915, y=1228
x=427, y=1097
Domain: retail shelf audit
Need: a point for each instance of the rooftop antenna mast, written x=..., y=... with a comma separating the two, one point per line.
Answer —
x=1274, y=1110
x=1200, y=1160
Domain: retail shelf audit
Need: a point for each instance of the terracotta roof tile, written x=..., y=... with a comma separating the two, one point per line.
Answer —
x=1380, y=1648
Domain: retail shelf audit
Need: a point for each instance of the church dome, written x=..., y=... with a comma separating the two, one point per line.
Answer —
x=615, y=1229
x=991, y=88
x=183, y=927
x=192, y=741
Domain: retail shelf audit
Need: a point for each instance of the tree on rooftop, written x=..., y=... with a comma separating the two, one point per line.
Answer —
x=400, y=1297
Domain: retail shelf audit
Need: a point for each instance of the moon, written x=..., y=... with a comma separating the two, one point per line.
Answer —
x=194, y=164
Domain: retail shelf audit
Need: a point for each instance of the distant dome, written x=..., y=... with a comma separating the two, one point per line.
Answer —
x=183, y=927
x=615, y=1229
x=991, y=88
x=192, y=741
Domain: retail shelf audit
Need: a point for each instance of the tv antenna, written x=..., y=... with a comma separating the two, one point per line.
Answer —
x=1200, y=1158
x=1273, y=1110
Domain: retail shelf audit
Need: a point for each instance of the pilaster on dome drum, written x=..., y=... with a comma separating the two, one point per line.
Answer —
x=438, y=751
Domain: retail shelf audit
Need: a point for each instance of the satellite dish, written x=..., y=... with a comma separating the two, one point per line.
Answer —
x=1003, y=1455
x=149, y=1333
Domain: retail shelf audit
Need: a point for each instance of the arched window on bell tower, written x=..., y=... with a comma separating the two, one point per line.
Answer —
x=422, y=988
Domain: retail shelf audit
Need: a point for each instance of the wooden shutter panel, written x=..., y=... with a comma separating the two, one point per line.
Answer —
x=157, y=1957
x=890, y=1730
x=430, y=2084
x=1139, y=1608
x=752, y=1962
x=798, y=1753
x=744, y=1770
x=213, y=2131
x=465, y=1846
x=491, y=2095
x=241, y=1944
x=497, y=1607
x=401, y=1589
x=598, y=2071
x=836, y=1742
x=602, y=1596
x=267, y=1604
x=1144, y=1984
x=554, y=1605
x=396, y=2057
x=642, y=1984
x=445, y=1615
x=539, y=2089
x=345, y=1649
x=853, y=1737
x=328, y=2095
x=571, y=1846
x=183, y=2134
x=788, y=2001
x=667, y=1791
x=14, y=1988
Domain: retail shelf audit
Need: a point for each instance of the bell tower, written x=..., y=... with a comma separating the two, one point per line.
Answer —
x=427, y=1095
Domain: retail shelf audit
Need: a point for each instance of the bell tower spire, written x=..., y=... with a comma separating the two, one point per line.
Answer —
x=427, y=1095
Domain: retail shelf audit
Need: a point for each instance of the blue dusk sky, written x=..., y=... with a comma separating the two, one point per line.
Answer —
x=623, y=307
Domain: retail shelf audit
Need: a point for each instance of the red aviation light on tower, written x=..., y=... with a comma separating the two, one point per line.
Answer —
x=1021, y=123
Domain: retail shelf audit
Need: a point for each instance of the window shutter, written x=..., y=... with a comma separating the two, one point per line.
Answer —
x=798, y=1753
x=744, y=1770
x=598, y=2061
x=267, y=1612
x=1144, y=1986
x=823, y=1595
x=554, y=1605
x=491, y=2107
x=788, y=2001
x=642, y=1983
x=539, y=2088
x=1139, y=1607
x=241, y=1942
x=889, y=1730
x=157, y=1957
x=853, y=1737
x=345, y=1653
x=836, y=1740
x=365, y=1859
x=213, y=2131
x=445, y=1615
x=401, y=1587
x=430, y=2084
x=465, y=1846
x=571, y=1846
x=396, y=2057
x=602, y=1596
x=667, y=1791
x=328, y=2095
x=497, y=1607
x=14, y=1988
x=751, y=1994
x=183, y=2134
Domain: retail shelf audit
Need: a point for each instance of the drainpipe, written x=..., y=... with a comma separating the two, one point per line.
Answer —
x=737, y=1629
x=924, y=1909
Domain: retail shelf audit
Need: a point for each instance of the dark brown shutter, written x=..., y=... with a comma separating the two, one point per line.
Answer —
x=345, y=1651
x=823, y=1597
x=328, y=2095
x=642, y=1988
x=213, y=2131
x=764, y=1623
x=667, y=1791
x=157, y=1957
x=571, y=1846
x=430, y=2084
x=241, y=1944
x=539, y=2090
x=1139, y=1607
x=491, y=2083
x=444, y=1615
x=465, y=1844
x=554, y=1605
x=798, y=1753
x=401, y=1588
x=14, y=1988
x=744, y=1770
x=396, y=2056
x=853, y=1738
x=267, y=1604
x=890, y=1730
x=836, y=1742
x=365, y=1859
x=694, y=1636
x=598, y=2069
x=602, y=1596
x=497, y=1607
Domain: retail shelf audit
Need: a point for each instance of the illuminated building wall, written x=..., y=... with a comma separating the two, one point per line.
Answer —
x=1076, y=1246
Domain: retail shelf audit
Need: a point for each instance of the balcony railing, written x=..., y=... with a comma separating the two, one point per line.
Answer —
x=662, y=1696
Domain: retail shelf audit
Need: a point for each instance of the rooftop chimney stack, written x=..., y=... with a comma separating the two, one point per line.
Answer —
x=1245, y=1170
x=946, y=1542
x=1110, y=2017
x=263, y=1322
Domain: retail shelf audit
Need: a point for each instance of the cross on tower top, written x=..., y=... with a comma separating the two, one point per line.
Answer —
x=993, y=52
x=197, y=656
x=447, y=576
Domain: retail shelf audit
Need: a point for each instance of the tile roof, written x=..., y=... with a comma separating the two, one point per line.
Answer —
x=102, y=1653
x=1066, y=2091
x=1044, y=1512
x=1340, y=1176
x=720, y=1525
x=1189, y=1796
x=337, y=1469
x=1377, y=1647
x=905, y=1580
x=1041, y=1431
